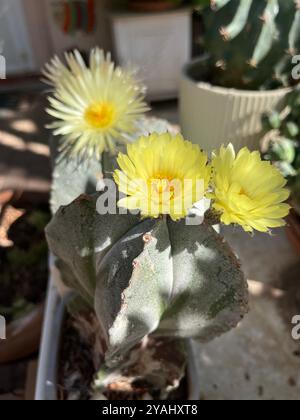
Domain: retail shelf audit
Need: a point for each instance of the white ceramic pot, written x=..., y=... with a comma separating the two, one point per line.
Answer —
x=157, y=44
x=212, y=115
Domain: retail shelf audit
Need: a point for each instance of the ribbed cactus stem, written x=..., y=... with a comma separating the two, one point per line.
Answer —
x=239, y=22
x=148, y=276
x=251, y=41
x=268, y=34
x=294, y=35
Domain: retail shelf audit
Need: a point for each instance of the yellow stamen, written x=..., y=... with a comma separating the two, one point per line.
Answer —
x=162, y=185
x=100, y=115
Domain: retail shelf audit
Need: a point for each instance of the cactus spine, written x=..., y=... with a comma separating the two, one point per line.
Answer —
x=252, y=42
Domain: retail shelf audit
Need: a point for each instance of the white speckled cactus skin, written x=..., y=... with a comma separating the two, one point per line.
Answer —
x=147, y=277
x=141, y=277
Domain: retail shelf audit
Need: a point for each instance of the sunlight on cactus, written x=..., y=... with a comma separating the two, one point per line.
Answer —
x=155, y=276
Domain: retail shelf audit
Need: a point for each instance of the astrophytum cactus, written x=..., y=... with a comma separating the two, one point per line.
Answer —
x=251, y=42
x=151, y=276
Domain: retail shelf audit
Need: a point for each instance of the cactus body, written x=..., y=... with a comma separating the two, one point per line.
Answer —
x=251, y=42
x=148, y=277
x=159, y=364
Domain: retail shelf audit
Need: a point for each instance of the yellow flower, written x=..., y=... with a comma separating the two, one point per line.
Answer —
x=162, y=175
x=94, y=106
x=248, y=191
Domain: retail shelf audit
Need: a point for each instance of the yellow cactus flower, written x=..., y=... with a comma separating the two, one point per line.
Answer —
x=248, y=191
x=94, y=106
x=162, y=175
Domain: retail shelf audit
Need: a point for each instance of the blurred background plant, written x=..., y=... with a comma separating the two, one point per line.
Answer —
x=250, y=42
x=281, y=145
x=282, y=142
x=23, y=261
x=245, y=71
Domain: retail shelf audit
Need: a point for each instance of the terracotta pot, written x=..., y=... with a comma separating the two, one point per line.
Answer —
x=151, y=5
x=293, y=230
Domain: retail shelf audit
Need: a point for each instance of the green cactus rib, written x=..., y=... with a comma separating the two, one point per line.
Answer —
x=268, y=33
x=148, y=277
x=218, y=4
x=239, y=21
x=294, y=35
x=82, y=234
x=251, y=42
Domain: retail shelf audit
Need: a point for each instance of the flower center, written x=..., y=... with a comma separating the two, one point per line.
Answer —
x=100, y=115
x=165, y=186
x=243, y=192
x=162, y=185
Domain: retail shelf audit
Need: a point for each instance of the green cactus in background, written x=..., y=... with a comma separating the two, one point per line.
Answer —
x=282, y=142
x=147, y=277
x=251, y=42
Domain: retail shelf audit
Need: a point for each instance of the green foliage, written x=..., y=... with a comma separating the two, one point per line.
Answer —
x=27, y=258
x=147, y=277
x=283, y=134
x=251, y=42
x=38, y=219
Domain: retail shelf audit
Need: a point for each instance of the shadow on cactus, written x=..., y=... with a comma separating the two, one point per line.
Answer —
x=148, y=277
x=251, y=42
x=159, y=275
